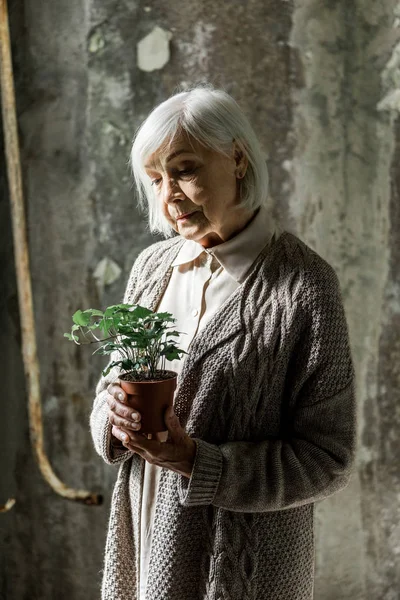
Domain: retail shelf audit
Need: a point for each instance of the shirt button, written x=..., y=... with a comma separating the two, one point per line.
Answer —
x=195, y=312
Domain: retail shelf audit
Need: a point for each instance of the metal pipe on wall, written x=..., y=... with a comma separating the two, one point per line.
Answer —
x=21, y=251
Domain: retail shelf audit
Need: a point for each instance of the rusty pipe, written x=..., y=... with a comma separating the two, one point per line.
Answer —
x=29, y=349
x=7, y=506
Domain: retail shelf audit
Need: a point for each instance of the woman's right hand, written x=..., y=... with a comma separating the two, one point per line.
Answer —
x=123, y=418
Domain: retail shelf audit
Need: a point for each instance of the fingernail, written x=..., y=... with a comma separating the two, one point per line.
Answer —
x=120, y=396
x=135, y=416
x=124, y=437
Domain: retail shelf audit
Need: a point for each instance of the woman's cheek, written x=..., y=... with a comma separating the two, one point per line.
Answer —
x=171, y=221
x=193, y=191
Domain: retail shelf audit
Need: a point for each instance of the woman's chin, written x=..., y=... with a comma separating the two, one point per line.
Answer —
x=189, y=227
x=190, y=234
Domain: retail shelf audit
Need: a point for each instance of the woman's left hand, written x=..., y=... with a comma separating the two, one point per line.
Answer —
x=176, y=453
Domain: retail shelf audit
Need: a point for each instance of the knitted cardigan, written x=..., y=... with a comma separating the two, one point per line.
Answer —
x=267, y=392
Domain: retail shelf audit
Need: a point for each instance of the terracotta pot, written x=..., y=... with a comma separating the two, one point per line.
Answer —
x=151, y=398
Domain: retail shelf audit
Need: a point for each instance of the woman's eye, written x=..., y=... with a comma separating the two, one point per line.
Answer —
x=186, y=172
x=177, y=174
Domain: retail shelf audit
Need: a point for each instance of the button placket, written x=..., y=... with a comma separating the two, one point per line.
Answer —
x=205, y=260
x=197, y=291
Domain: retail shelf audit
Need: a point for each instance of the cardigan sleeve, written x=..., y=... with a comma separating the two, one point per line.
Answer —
x=315, y=456
x=105, y=444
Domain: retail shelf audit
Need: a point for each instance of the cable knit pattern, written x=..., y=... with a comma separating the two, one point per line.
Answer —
x=267, y=392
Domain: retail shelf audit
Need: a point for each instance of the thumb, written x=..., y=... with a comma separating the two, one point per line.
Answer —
x=172, y=422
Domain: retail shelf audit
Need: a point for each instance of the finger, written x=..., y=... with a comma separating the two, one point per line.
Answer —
x=122, y=410
x=124, y=436
x=136, y=450
x=137, y=444
x=130, y=426
x=153, y=448
x=120, y=435
x=176, y=431
x=116, y=390
x=153, y=459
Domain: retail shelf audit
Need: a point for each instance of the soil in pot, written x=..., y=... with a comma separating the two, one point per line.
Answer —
x=150, y=397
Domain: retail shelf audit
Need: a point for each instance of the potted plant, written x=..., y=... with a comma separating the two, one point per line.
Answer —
x=140, y=340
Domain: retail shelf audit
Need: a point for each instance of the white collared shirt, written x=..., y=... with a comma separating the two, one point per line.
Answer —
x=201, y=281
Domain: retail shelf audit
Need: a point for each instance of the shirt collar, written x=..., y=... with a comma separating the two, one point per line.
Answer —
x=189, y=251
x=239, y=253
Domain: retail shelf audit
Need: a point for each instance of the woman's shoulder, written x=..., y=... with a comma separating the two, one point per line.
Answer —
x=301, y=266
x=159, y=251
x=150, y=265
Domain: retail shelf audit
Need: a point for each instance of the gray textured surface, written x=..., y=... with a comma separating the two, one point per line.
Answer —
x=318, y=80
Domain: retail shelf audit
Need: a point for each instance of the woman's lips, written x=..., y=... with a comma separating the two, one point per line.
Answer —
x=184, y=217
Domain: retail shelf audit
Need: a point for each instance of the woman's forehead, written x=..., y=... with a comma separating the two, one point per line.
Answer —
x=171, y=148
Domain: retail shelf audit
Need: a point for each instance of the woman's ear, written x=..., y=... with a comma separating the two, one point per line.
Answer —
x=241, y=161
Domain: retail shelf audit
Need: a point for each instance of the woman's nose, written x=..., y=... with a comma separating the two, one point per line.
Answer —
x=172, y=190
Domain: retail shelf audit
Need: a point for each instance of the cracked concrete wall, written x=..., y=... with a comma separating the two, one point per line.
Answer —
x=345, y=203
x=320, y=81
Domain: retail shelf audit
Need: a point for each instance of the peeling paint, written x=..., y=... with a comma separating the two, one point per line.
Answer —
x=366, y=455
x=96, y=42
x=51, y=406
x=153, y=50
x=390, y=102
x=106, y=272
x=105, y=229
x=184, y=85
x=391, y=83
x=287, y=165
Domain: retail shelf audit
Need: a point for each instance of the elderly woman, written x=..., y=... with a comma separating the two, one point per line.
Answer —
x=264, y=417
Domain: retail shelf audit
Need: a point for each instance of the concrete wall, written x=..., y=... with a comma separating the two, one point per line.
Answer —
x=320, y=81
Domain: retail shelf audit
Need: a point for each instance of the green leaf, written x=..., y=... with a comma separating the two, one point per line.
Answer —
x=96, y=313
x=129, y=330
x=72, y=338
x=127, y=365
x=81, y=318
x=106, y=348
x=141, y=312
x=165, y=316
x=171, y=353
x=110, y=311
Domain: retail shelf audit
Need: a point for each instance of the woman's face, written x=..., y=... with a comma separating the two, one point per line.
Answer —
x=189, y=178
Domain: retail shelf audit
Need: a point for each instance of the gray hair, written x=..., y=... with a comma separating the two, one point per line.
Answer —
x=212, y=118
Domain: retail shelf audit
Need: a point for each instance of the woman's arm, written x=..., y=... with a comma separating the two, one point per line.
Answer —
x=316, y=457
x=106, y=445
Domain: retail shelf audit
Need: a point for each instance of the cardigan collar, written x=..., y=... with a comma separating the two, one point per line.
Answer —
x=237, y=254
x=227, y=319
